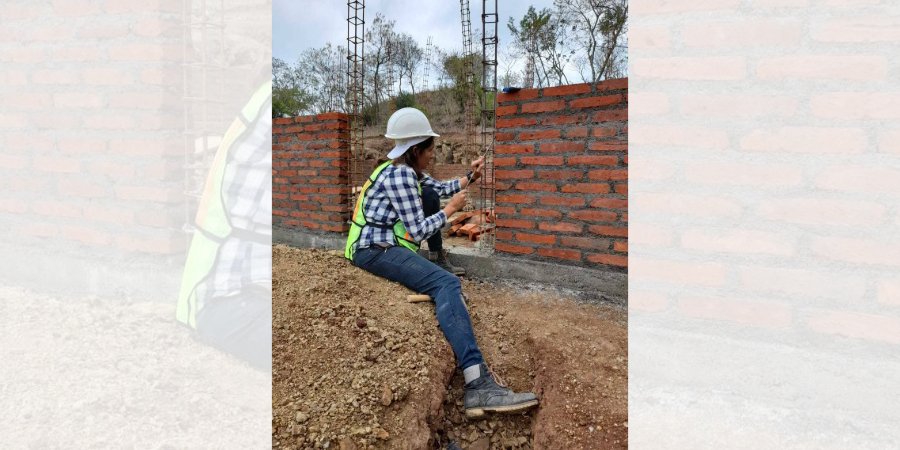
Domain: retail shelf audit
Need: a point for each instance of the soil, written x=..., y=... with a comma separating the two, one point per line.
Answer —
x=355, y=366
x=89, y=372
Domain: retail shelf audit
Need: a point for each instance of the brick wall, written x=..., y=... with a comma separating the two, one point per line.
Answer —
x=91, y=125
x=561, y=171
x=310, y=172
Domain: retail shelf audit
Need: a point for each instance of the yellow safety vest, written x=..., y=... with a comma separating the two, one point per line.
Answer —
x=212, y=223
x=358, y=221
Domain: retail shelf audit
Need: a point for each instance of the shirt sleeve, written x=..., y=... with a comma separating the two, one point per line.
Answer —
x=402, y=190
x=443, y=188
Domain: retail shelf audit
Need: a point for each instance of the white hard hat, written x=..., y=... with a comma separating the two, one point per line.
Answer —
x=407, y=127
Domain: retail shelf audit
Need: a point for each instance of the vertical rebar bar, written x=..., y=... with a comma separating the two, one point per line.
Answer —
x=489, y=39
x=355, y=60
x=469, y=67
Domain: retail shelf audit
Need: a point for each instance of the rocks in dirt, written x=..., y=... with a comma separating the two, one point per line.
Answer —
x=480, y=444
x=347, y=444
x=361, y=322
x=301, y=417
x=387, y=396
x=381, y=433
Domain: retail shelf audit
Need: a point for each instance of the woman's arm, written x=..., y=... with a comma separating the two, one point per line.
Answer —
x=401, y=187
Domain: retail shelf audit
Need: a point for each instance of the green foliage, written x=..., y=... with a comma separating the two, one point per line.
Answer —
x=405, y=100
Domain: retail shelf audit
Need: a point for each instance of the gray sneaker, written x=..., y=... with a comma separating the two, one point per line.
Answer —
x=440, y=258
x=486, y=395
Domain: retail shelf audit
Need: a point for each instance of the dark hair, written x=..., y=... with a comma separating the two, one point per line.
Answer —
x=411, y=157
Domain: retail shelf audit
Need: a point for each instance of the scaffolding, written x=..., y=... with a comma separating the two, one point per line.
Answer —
x=428, y=49
x=203, y=88
x=355, y=72
x=487, y=192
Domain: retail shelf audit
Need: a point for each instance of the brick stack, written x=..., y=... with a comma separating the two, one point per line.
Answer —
x=561, y=171
x=310, y=160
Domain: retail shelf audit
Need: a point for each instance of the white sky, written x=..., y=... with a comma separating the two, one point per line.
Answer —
x=301, y=24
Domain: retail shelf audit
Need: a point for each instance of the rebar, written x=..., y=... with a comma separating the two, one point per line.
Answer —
x=487, y=192
x=203, y=37
x=355, y=72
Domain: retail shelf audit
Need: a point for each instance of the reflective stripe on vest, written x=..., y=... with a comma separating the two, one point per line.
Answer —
x=358, y=220
x=212, y=223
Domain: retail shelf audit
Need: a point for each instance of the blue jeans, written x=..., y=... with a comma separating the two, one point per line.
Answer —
x=421, y=275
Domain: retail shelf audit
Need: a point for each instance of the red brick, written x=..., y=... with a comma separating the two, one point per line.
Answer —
x=604, y=132
x=611, y=116
x=572, y=89
x=586, y=188
x=148, y=193
x=513, y=148
x=524, y=94
x=620, y=246
x=596, y=102
x=593, y=215
x=554, y=147
x=506, y=174
x=573, y=255
x=542, y=160
x=515, y=223
x=622, y=189
x=505, y=210
x=86, y=235
x=544, y=187
x=609, y=260
x=568, y=175
x=504, y=162
x=55, y=209
x=502, y=137
x=565, y=227
x=514, y=123
x=537, y=212
x=613, y=84
x=603, y=175
x=332, y=116
x=576, y=132
x=584, y=242
x=603, y=230
x=515, y=198
x=594, y=160
x=507, y=110
x=547, y=239
x=539, y=107
x=565, y=120
x=504, y=235
x=610, y=203
x=509, y=248
x=565, y=201
x=608, y=146
x=538, y=135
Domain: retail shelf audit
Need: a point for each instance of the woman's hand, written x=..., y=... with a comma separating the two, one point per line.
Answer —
x=458, y=201
x=477, y=168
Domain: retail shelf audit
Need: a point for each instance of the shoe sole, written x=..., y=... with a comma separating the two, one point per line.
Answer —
x=475, y=413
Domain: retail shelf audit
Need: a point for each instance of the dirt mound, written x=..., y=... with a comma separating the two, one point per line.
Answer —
x=355, y=366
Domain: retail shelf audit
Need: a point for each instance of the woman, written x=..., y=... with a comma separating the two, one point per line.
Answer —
x=388, y=224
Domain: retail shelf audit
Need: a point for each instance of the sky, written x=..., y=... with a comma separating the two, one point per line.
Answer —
x=299, y=25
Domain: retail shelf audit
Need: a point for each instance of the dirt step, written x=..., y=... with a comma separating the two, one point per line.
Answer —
x=355, y=366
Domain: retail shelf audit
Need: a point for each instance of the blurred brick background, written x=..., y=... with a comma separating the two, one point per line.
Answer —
x=765, y=229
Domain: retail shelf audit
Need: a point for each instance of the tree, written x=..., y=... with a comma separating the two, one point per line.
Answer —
x=409, y=55
x=288, y=95
x=540, y=36
x=379, y=38
x=598, y=29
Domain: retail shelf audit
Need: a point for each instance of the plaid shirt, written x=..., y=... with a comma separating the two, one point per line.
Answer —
x=395, y=194
x=245, y=258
